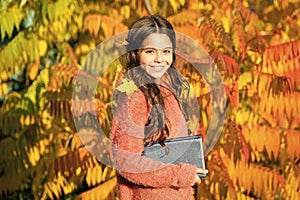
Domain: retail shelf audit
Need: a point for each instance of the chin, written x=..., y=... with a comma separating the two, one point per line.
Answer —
x=157, y=76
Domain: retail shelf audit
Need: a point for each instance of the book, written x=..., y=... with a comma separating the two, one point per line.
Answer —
x=188, y=149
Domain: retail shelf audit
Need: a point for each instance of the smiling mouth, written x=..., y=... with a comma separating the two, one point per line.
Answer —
x=157, y=68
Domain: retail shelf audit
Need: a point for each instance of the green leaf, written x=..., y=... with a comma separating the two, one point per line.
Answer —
x=44, y=12
x=17, y=16
x=10, y=24
x=4, y=27
x=50, y=12
x=2, y=31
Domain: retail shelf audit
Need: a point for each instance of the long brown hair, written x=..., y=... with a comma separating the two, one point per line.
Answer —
x=156, y=129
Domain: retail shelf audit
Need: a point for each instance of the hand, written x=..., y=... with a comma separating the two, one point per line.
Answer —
x=197, y=180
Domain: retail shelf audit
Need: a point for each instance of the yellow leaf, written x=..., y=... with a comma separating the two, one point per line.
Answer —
x=106, y=26
x=31, y=156
x=94, y=176
x=106, y=173
x=127, y=86
x=88, y=177
x=204, y=119
x=78, y=171
x=36, y=154
x=99, y=174
x=4, y=76
x=226, y=22
x=42, y=47
x=174, y=5
x=42, y=146
x=22, y=3
x=154, y=4
x=182, y=2
x=84, y=48
x=125, y=11
x=32, y=70
x=3, y=89
x=48, y=191
x=244, y=79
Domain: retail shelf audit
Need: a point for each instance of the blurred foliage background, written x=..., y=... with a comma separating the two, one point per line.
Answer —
x=43, y=44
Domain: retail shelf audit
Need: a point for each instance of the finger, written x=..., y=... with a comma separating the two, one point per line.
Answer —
x=201, y=171
x=197, y=180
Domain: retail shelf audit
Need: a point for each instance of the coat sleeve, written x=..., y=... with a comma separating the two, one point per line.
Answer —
x=127, y=137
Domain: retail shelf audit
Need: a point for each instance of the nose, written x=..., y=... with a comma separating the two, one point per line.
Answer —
x=159, y=56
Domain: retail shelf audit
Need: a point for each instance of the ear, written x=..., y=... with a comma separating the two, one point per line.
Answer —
x=133, y=55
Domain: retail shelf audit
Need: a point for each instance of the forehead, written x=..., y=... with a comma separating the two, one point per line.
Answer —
x=157, y=41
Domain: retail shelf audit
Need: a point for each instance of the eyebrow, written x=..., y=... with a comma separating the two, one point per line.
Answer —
x=148, y=48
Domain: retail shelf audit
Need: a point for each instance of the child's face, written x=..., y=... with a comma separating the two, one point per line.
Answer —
x=155, y=54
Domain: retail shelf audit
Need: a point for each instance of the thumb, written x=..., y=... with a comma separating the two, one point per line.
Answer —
x=201, y=171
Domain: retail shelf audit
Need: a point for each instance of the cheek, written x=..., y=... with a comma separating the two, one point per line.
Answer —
x=145, y=59
x=169, y=59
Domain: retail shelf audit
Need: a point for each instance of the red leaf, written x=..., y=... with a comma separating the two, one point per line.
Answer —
x=244, y=145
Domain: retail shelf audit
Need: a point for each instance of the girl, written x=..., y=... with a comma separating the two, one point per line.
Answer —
x=151, y=105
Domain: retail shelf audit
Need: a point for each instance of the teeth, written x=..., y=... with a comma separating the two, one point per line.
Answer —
x=158, y=69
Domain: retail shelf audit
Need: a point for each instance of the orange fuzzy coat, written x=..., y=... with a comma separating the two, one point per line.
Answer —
x=140, y=178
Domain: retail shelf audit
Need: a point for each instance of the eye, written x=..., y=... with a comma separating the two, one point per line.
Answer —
x=167, y=51
x=149, y=51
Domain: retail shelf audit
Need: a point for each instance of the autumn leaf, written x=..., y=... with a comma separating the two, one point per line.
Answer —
x=127, y=86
